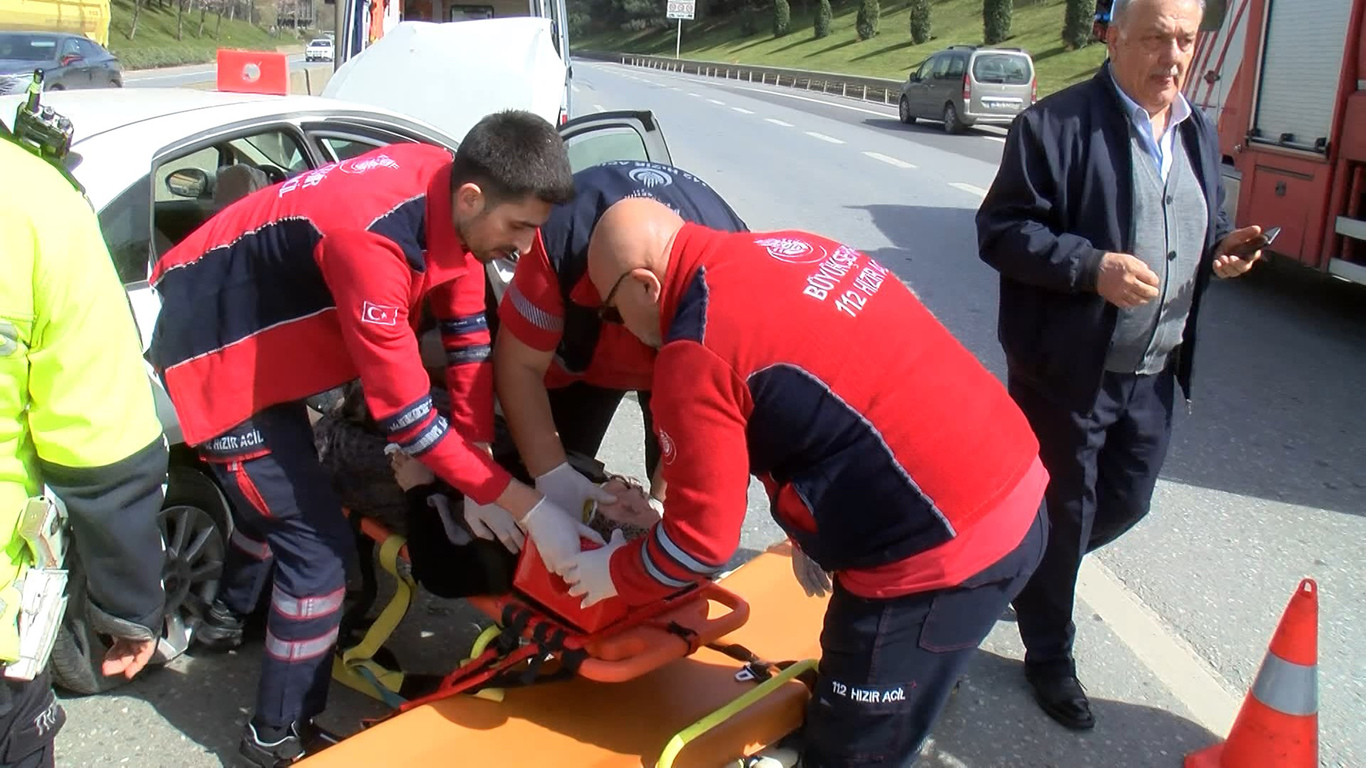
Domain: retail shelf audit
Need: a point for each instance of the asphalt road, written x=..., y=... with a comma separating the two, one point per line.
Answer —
x=179, y=77
x=1264, y=484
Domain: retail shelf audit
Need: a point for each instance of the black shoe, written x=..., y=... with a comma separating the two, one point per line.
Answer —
x=257, y=752
x=1061, y=695
x=221, y=629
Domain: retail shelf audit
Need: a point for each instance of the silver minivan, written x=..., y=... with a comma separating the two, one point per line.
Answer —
x=964, y=85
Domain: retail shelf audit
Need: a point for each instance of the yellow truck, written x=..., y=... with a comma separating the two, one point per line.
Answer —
x=85, y=17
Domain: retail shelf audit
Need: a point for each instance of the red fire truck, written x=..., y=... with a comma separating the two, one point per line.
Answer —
x=1285, y=80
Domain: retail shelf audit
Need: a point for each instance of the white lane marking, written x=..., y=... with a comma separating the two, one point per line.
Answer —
x=698, y=95
x=742, y=110
x=1188, y=676
x=574, y=88
x=969, y=188
x=889, y=160
x=599, y=108
x=823, y=137
x=719, y=103
x=778, y=122
x=995, y=138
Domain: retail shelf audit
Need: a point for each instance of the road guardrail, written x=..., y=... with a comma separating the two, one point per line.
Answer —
x=874, y=89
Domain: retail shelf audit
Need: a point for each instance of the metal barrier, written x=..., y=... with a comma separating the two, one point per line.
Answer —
x=874, y=89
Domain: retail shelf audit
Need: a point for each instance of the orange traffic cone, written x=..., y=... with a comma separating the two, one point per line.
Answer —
x=1278, y=726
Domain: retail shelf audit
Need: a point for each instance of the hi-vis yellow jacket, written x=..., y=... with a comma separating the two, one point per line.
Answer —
x=76, y=409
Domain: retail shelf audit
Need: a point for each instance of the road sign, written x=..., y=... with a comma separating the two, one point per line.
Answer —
x=682, y=9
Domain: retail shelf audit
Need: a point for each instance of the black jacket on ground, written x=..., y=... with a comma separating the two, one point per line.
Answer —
x=1062, y=198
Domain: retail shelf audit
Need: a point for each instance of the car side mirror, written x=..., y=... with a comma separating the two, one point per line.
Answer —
x=188, y=182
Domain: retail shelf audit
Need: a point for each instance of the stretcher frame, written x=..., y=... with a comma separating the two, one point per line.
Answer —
x=356, y=667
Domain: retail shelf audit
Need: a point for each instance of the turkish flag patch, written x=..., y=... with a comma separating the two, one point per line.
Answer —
x=378, y=314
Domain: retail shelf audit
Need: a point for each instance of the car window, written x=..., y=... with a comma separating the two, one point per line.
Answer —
x=339, y=148
x=69, y=47
x=923, y=71
x=941, y=68
x=188, y=190
x=958, y=66
x=604, y=145
x=89, y=49
x=1006, y=69
x=126, y=224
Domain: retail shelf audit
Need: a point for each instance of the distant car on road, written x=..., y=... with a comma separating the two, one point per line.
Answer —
x=318, y=49
x=965, y=85
x=68, y=61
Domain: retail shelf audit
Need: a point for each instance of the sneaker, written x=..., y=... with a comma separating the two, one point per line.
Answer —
x=221, y=629
x=254, y=752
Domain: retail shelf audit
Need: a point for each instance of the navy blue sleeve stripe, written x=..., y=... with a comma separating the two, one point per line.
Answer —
x=408, y=416
x=427, y=438
x=477, y=353
x=462, y=325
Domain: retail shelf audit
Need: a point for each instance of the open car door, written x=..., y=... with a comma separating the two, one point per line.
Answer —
x=592, y=140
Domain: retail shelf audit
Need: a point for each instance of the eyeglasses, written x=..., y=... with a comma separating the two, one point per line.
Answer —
x=608, y=313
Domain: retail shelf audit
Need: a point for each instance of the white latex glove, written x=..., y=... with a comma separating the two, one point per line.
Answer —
x=590, y=573
x=815, y=582
x=556, y=534
x=568, y=490
x=490, y=521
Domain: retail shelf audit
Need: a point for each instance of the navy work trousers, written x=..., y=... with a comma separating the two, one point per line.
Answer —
x=1102, y=466
x=888, y=665
x=285, y=512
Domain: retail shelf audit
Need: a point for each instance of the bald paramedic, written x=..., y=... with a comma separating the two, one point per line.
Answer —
x=892, y=458
x=560, y=371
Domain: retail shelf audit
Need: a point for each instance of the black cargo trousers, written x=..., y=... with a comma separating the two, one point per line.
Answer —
x=29, y=720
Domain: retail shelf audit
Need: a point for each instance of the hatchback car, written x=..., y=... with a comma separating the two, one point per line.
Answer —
x=158, y=163
x=67, y=61
x=965, y=85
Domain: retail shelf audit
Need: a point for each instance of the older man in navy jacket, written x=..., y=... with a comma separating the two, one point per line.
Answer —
x=1105, y=221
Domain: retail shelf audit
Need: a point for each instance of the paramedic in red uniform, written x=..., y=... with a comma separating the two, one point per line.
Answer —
x=560, y=372
x=311, y=283
x=892, y=457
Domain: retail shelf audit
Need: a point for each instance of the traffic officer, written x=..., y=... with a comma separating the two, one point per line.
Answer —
x=76, y=415
x=286, y=294
x=892, y=458
x=558, y=368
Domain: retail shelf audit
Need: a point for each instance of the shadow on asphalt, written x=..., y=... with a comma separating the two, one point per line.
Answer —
x=992, y=722
x=1276, y=408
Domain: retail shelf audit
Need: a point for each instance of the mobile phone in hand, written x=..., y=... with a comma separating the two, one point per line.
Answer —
x=1257, y=243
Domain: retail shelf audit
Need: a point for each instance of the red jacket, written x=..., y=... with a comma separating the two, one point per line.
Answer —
x=891, y=455
x=308, y=284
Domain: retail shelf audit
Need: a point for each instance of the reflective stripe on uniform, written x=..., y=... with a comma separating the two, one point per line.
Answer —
x=477, y=353
x=300, y=650
x=533, y=314
x=306, y=607
x=654, y=571
x=679, y=556
x=1287, y=687
x=257, y=549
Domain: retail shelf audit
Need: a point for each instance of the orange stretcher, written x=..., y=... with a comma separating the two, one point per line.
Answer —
x=673, y=685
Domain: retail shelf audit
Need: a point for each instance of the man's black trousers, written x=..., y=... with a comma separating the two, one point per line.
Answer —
x=1103, y=465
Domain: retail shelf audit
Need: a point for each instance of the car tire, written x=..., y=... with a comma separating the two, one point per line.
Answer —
x=195, y=525
x=951, y=122
x=904, y=111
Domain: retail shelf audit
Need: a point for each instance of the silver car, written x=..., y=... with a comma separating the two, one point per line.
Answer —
x=964, y=85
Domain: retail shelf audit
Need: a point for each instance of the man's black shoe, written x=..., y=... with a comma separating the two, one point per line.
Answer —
x=221, y=629
x=1061, y=695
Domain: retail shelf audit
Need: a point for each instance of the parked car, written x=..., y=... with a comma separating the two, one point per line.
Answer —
x=67, y=61
x=149, y=160
x=318, y=49
x=965, y=85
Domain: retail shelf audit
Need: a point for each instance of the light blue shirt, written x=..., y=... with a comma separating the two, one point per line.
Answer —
x=1158, y=148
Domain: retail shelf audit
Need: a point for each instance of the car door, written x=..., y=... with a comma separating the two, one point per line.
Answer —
x=75, y=68
x=624, y=135
x=917, y=88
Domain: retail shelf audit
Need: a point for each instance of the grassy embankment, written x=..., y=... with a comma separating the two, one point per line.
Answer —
x=155, y=43
x=1036, y=27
